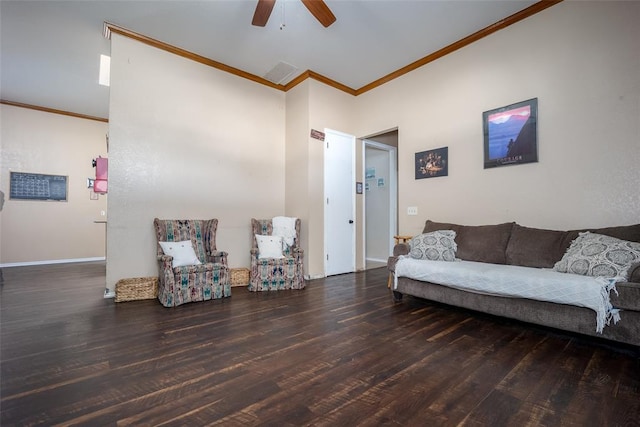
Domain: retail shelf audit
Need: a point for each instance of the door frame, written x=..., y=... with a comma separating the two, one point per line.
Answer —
x=393, y=194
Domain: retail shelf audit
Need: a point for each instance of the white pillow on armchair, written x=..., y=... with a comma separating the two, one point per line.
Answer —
x=182, y=253
x=269, y=246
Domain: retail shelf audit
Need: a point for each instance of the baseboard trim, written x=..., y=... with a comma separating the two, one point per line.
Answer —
x=52, y=261
x=313, y=277
x=376, y=260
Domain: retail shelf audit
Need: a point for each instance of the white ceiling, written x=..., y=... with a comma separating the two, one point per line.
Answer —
x=49, y=50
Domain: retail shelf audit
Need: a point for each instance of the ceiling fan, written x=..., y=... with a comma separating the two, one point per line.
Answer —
x=318, y=8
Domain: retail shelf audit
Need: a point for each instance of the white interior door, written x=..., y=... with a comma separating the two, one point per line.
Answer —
x=339, y=203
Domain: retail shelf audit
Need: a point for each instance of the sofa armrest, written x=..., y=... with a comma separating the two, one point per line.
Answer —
x=400, y=249
x=626, y=296
x=166, y=277
x=634, y=273
x=219, y=257
x=391, y=263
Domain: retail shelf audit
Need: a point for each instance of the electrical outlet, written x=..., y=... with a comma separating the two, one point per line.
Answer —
x=412, y=210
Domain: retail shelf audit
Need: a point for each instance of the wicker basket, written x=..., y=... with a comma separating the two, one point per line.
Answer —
x=239, y=276
x=136, y=289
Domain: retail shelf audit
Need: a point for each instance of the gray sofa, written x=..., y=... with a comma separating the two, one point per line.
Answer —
x=513, y=244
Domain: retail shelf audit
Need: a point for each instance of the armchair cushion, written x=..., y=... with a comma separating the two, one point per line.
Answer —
x=269, y=246
x=182, y=253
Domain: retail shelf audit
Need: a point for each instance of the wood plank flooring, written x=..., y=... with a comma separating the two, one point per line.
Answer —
x=339, y=353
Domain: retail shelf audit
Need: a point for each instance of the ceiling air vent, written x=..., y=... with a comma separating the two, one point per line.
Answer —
x=280, y=73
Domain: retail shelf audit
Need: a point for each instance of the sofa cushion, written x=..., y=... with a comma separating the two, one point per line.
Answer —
x=599, y=255
x=430, y=226
x=481, y=243
x=535, y=247
x=434, y=246
x=624, y=232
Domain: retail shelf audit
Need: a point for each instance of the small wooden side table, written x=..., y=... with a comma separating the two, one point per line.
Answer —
x=402, y=238
x=399, y=239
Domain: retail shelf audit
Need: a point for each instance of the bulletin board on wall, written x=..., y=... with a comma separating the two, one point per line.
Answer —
x=37, y=186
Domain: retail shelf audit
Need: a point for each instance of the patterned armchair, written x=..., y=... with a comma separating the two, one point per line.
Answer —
x=190, y=283
x=273, y=274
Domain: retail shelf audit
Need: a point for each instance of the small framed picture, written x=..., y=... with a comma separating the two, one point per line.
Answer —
x=432, y=163
x=370, y=173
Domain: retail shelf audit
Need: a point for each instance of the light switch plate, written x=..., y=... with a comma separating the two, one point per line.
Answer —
x=412, y=210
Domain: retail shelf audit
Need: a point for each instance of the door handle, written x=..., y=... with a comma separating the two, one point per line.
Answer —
x=350, y=221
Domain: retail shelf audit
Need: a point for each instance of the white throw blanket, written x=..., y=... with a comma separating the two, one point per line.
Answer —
x=285, y=227
x=518, y=282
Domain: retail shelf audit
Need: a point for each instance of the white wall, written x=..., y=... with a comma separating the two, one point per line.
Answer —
x=581, y=60
x=40, y=231
x=187, y=141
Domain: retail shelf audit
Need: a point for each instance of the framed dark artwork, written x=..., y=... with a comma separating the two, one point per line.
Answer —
x=432, y=163
x=511, y=134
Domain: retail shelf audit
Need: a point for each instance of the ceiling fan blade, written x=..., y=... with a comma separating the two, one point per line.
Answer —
x=262, y=13
x=321, y=11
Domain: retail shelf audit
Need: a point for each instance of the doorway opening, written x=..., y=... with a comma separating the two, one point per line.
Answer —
x=381, y=197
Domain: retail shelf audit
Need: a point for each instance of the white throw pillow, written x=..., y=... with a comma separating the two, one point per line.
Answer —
x=592, y=254
x=435, y=246
x=182, y=253
x=269, y=246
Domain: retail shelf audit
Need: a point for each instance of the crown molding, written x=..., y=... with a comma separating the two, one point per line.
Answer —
x=510, y=20
x=53, y=110
x=319, y=77
x=110, y=28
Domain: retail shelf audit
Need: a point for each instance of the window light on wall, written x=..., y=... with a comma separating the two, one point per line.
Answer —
x=105, y=70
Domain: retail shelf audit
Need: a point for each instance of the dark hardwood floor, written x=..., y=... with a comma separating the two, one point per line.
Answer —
x=339, y=353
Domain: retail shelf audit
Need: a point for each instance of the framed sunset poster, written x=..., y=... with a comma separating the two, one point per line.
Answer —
x=511, y=134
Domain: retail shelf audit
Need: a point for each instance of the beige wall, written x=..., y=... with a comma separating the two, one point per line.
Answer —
x=581, y=60
x=187, y=141
x=297, y=161
x=191, y=141
x=312, y=105
x=328, y=109
x=39, y=231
